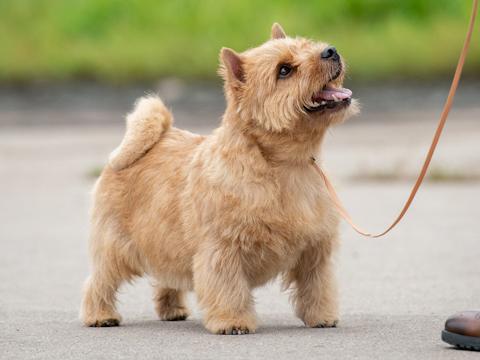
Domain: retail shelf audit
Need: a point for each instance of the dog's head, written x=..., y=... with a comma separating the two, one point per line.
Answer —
x=287, y=83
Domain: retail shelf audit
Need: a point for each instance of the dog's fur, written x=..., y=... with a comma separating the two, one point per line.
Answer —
x=228, y=212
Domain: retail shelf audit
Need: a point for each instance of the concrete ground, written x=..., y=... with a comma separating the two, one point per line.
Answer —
x=396, y=292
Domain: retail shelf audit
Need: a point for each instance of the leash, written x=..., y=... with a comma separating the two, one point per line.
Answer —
x=438, y=133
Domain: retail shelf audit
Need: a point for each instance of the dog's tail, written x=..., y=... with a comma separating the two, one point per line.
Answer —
x=145, y=125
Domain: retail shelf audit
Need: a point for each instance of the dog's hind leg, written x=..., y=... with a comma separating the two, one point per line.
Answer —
x=170, y=304
x=98, y=306
x=111, y=267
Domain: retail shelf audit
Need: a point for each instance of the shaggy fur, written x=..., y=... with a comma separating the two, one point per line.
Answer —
x=228, y=212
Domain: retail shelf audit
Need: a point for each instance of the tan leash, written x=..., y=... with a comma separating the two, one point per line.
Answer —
x=443, y=119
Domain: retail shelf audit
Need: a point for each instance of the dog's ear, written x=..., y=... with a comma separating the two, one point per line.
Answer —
x=278, y=32
x=232, y=68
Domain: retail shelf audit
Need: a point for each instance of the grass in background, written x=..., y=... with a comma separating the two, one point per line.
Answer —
x=120, y=41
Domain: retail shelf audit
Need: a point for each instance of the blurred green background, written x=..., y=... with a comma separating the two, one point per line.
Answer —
x=120, y=41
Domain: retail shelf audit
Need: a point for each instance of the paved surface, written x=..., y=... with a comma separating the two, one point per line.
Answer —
x=395, y=292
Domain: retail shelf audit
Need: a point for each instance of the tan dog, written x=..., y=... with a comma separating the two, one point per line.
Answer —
x=226, y=213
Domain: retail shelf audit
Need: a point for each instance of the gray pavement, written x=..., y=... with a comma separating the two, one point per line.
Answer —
x=395, y=292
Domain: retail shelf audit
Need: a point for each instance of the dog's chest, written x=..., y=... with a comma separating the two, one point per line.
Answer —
x=302, y=199
x=297, y=213
x=298, y=218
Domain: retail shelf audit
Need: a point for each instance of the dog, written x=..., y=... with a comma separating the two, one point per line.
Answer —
x=226, y=213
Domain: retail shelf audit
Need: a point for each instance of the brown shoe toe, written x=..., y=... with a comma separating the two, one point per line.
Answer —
x=463, y=330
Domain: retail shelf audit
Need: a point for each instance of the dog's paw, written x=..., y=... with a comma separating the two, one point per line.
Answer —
x=320, y=320
x=101, y=318
x=105, y=323
x=173, y=314
x=327, y=324
x=239, y=326
x=325, y=317
x=180, y=317
x=235, y=330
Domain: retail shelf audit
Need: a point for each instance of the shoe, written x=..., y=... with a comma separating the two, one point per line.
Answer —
x=463, y=330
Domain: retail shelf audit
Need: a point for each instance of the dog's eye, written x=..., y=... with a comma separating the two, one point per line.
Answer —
x=284, y=71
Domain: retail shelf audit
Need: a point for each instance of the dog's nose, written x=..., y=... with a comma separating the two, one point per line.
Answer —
x=330, y=53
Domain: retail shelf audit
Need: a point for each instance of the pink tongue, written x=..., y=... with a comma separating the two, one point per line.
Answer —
x=330, y=93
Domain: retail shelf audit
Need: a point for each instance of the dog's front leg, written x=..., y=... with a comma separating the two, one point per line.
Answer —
x=223, y=292
x=315, y=293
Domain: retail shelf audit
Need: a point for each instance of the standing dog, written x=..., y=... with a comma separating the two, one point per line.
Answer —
x=228, y=212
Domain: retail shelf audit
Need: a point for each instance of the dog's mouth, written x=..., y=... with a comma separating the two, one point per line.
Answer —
x=329, y=98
